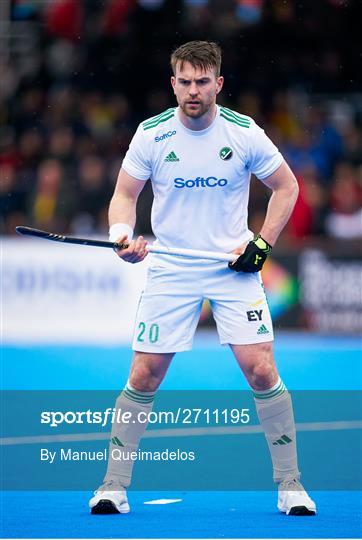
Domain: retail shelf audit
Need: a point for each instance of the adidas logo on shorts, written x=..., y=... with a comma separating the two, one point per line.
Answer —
x=262, y=330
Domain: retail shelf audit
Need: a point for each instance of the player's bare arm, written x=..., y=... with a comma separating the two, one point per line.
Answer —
x=122, y=210
x=285, y=192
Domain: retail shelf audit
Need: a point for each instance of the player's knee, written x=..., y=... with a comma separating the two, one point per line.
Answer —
x=264, y=372
x=144, y=379
x=148, y=370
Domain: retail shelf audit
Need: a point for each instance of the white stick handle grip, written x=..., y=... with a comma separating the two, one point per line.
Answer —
x=193, y=253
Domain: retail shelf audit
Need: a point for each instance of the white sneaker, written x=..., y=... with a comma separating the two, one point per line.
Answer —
x=106, y=501
x=293, y=500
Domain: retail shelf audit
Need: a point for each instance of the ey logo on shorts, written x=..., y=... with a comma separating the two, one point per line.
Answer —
x=254, y=315
x=226, y=153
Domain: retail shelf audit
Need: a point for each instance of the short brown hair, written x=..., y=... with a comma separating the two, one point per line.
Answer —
x=200, y=54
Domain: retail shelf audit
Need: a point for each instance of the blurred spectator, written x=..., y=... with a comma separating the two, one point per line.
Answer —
x=309, y=214
x=61, y=145
x=312, y=141
x=12, y=200
x=116, y=15
x=296, y=149
x=326, y=146
x=51, y=203
x=93, y=195
x=8, y=149
x=353, y=145
x=344, y=219
x=282, y=118
x=64, y=18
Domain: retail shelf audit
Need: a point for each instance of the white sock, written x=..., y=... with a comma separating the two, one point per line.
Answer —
x=275, y=412
x=125, y=437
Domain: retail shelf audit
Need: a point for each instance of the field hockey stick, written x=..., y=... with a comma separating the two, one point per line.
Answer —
x=190, y=253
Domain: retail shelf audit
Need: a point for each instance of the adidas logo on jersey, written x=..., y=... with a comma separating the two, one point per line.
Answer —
x=171, y=157
x=263, y=330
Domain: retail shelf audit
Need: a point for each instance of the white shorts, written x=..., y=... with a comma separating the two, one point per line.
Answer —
x=169, y=308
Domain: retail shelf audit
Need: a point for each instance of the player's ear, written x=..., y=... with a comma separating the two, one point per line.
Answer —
x=219, y=84
x=173, y=82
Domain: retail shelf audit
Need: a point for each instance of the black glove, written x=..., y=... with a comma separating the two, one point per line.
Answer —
x=254, y=256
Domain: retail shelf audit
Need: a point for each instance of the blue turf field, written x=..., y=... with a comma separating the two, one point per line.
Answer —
x=305, y=363
x=199, y=515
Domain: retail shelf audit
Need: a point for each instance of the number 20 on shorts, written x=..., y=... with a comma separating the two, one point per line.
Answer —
x=150, y=334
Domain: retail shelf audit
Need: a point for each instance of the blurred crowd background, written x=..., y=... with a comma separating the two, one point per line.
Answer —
x=77, y=76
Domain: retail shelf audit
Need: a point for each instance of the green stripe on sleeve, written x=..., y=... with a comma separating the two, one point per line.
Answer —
x=236, y=115
x=234, y=121
x=156, y=119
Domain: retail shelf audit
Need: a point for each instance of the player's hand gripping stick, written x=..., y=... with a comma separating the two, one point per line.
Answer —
x=254, y=256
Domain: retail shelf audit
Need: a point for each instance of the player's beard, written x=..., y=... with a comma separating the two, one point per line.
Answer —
x=195, y=112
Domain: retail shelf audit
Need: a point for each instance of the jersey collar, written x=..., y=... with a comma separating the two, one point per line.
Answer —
x=200, y=132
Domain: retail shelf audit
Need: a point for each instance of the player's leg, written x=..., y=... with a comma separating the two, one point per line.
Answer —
x=275, y=412
x=244, y=322
x=273, y=405
x=136, y=399
x=166, y=320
